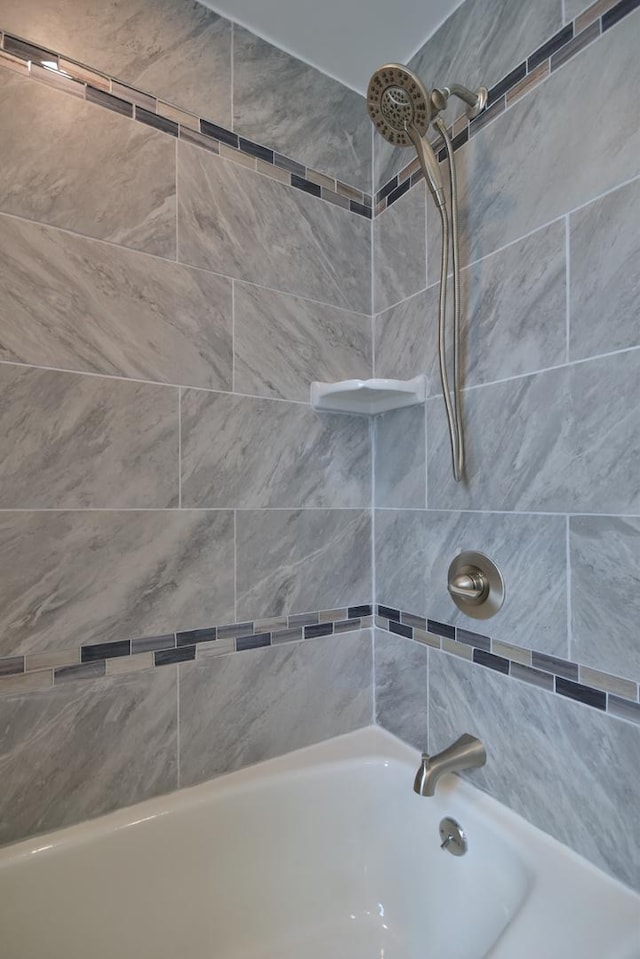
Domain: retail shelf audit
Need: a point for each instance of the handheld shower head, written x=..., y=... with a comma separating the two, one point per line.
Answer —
x=400, y=108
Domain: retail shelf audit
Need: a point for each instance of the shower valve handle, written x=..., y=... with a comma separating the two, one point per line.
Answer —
x=471, y=585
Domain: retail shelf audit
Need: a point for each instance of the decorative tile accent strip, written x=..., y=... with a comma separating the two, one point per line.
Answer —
x=39, y=670
x=82, y=81
x=617, y=696
x=559, y=48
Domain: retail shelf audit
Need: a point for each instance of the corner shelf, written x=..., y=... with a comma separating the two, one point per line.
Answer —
x=368, y=397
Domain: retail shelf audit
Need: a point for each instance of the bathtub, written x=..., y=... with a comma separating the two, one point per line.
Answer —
x=326, y=852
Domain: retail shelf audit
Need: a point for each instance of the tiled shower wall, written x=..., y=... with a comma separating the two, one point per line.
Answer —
x=550, y=206
x=163, y=312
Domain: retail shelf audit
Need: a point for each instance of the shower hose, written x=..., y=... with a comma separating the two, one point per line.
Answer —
x=450, y=237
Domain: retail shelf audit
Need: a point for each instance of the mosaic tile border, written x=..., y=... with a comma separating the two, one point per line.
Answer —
x=94, y=660
x=80, y=80
x=612, y=694
x=547, y=58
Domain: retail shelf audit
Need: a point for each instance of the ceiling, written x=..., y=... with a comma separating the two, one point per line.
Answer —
x=348, y=39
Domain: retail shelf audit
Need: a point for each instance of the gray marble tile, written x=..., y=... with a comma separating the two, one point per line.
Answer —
x=513, y=307
x=567, y=440
x=401, y=557
x=80, y=304
x=414, y=550
x=477, y=45
x=605, y=280
x=549, y=759
x=86, y=442
x=179, y=52
x=605, y=591
x=287, y=104
x=400, y=250
x=400, y=462
x=283, y=343
x=401, y=687
x=237, y=222
x=83, y=749
x=243, y=709
x=290, y=561
x=509, y=186
x=406, y=339
x=243, y=452
x=121, y=185
x=79, y=577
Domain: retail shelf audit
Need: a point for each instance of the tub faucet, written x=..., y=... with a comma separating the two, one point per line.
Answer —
x=466, y=753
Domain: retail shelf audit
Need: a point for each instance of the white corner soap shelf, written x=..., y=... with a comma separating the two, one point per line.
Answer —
x=368, y=397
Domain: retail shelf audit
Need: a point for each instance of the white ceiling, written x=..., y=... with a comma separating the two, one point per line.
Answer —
x=348, y=39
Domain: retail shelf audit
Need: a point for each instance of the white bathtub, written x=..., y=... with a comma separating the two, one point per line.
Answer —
x=323, y=854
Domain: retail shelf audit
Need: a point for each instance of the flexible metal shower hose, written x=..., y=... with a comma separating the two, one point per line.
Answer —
x=454, y=413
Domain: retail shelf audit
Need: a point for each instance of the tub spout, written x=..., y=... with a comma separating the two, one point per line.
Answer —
x=466, y=753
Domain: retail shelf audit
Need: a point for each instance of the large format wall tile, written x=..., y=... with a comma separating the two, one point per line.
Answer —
x=243, y=709
x=76, y=441
x=243, y=452
x=287, y=104
x=82, y=749
x=88, y=577
x=414, y=550
x=80, y=304
x=120, y=186
x=237, y=222
x=400, y=556
x=400, y=250
x=549, y=759
x=605, y=280
x=513, y=307
x=406, y=339
x=178, y=51
x=283, y=343
x=510, y=186
x=567, y=440
x=605, y=593
x=477, y=45
x=293, y=561
x=400, y=458
x=401, y=687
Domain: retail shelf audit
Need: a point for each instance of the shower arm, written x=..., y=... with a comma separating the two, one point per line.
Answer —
x=477, y=100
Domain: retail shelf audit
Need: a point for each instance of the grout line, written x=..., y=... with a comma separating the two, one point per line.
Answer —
x=547, y=369
x=177, y=205
x=184, y=265
x=374, y=696
x=232, y=73
x=427, y=745
x=180, y=448
x=426, y=458
x=178, y=751
x=364, y=508
x=233, y=336
x=121, y=378
x=568, y=587
x=506, y=512
x=235, y=564
x=568, y=287
x=309, y=509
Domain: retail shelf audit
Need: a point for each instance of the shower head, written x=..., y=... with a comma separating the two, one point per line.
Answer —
x=400, y=107
x=396, y=99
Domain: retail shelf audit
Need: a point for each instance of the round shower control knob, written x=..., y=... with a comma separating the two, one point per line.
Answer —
x=475, y=585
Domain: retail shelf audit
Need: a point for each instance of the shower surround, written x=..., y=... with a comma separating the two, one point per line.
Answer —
x=169, y=497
